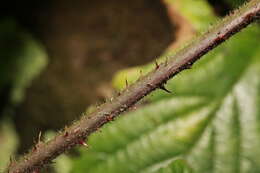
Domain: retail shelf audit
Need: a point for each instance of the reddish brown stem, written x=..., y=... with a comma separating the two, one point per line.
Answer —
x=44, y=153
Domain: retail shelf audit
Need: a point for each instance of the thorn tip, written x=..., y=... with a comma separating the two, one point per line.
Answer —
x=82, y=142
x=156, y=65
x=162, y=87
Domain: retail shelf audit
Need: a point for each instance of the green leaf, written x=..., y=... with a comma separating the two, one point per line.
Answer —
x=212, y=120
x=171, y=166
x=146, y=136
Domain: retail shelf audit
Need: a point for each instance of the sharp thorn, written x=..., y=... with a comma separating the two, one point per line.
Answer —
x=166, y=61
x=162, y=87
x=82, y=142
x=156, y=65
x=39, y=136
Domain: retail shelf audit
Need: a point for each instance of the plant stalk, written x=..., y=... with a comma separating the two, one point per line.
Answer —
x=43, y=153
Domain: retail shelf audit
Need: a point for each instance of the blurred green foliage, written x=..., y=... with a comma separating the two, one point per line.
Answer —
x=211, y=121
x=8, y=143
x=175, y=166
x=22, y=58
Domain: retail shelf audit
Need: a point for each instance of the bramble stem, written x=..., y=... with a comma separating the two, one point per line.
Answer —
x=44, y=153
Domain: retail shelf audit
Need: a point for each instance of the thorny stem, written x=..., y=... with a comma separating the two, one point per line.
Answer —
x=44, y=153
